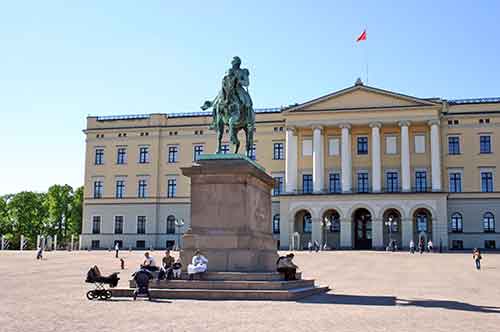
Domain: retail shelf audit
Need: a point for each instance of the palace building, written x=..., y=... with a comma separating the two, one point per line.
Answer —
x=354, y=169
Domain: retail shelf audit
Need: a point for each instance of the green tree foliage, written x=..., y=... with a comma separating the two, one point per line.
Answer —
x=5, y=225
x=58, y=201
x=76, y=212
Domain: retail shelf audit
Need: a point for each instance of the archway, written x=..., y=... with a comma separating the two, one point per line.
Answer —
x=422, y=226
x=391, y=221
x=362, y=222
x=303, y=225
x=331, y=229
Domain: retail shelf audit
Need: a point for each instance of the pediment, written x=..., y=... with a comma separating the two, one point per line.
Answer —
x=361, y=97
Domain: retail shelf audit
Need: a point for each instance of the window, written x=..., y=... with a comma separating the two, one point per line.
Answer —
x=457, y=244
x=142, y=189
x=486, y=181
x=141, y=225
x=197, y=151
x=170, y=224
x=419, y=144
x=118, y=224
x=99, y=156
x=140, y=244
x=171, y=187
x=392, y=181
x=334, y=147
x=121, y=156
x=224, y=148
x=391, y=145
x=456, y=223
x=120, y=188
x=278, y=152
x=421, y=181
x=143, y=155
x=95, y=244
x=173, y=152
x=307, y=183
x=334, y=185
x=96, y=225
x=307, y=147
x=362, y=145
x=489, y=222
x=455, y=182
x=490, y=244
x=251, y=152
x=484, y=144
x=278, y=185
x=307, y=223
x=453, y=145
x=98, y=189
x=276, y=224
x=363, y=185
x=421, y=219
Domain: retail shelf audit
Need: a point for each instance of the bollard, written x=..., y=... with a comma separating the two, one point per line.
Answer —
x=79, y=242
x=55, y=242
x=2, y=243
x=72, y=241
x=21, y=244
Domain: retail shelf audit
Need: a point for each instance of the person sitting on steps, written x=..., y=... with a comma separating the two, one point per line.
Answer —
x=198, y=265
x=285, y=265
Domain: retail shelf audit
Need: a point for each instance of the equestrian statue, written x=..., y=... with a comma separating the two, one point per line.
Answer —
x=233, y=108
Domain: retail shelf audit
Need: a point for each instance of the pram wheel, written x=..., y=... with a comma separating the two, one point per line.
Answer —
x=91, y=295
x=105, y=295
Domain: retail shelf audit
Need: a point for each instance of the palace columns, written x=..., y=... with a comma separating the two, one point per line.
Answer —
x=435, y=156
x=405, y=156
x=318, y=160
x=407, y=232
x=346, y=233
x=377, y=233
x=317, y=231
x=346, y=158
x=291, y=160
x=376, y=158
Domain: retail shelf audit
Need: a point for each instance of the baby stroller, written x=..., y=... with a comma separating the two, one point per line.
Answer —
x=94, y=277
x=142, y=278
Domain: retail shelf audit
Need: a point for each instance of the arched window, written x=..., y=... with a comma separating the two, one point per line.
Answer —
x=307, y=223
x=456, y=223
x=422, y=219
x=334, y=221
x=489, y=222
x=276, y=224
x=170, y=224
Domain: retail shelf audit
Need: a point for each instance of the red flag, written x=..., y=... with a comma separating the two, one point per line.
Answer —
x=362, y=36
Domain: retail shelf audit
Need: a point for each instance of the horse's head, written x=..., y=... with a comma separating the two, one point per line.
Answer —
x=206, y=105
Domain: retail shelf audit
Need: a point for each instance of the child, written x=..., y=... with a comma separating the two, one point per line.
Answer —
x=176, y=268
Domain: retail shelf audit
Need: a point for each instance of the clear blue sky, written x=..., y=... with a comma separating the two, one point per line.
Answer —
x=63, y=60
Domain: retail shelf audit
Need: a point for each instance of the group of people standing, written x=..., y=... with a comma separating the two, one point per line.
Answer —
x=421, y=246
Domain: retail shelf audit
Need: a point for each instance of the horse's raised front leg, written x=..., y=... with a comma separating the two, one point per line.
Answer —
x=220, y=134
x=249, y=138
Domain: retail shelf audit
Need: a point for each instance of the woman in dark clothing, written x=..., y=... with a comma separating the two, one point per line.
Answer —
x=285, y=265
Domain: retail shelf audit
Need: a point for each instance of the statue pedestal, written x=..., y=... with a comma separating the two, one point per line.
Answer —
x=230, y=215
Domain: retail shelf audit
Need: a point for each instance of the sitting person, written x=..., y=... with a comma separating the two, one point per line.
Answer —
x=198, y=265
x=176, y=268
x=166, y=268
x=285, y=265
x=149, y=263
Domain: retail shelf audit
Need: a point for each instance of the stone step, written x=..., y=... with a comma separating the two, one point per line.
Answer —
x=219, y=284
x=223, y=294
x=237, y=276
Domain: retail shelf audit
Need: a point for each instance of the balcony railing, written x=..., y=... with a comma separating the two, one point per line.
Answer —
x=360, y=191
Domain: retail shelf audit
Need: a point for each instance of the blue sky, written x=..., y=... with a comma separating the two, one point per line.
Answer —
x=63, y=60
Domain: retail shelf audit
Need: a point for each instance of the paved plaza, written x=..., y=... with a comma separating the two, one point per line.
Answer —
x=371, y=291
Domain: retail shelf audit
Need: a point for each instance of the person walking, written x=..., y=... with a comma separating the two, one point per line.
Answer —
x=421, y=246
x=310, y=246
x=39, y=253
x=316, y=246
x=117, y=249
x=430, y=246
x=412, y=247
x=476, y=255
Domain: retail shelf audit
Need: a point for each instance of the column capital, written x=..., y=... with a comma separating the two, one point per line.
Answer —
x=345, y=125
x=317, y=126
x=375, y=124
x=433, y=122
x=404, y=123
x=292, y=129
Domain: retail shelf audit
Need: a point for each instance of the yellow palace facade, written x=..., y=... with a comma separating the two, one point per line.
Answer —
x=355, y=169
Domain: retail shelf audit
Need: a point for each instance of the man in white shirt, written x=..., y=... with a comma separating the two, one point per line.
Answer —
x=149, y=262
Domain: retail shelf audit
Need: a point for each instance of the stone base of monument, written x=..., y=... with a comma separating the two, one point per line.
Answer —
x=230, y=286
x=231, y=226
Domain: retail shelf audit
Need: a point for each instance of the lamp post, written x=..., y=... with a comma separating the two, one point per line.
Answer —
x=390, y=223
x=327, y=223
x=178, y=224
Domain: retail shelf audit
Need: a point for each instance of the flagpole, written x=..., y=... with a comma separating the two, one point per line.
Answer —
x=366, y=56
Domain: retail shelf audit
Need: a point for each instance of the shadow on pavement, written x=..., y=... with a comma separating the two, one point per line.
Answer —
x=393, y=301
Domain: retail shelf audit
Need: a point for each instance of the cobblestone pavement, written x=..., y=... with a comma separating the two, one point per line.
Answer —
x=371, y=291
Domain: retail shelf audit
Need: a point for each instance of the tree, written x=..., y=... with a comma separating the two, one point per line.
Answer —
x=5, y=225
x=58, y=202
x=76, y=215
x=27, y=215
